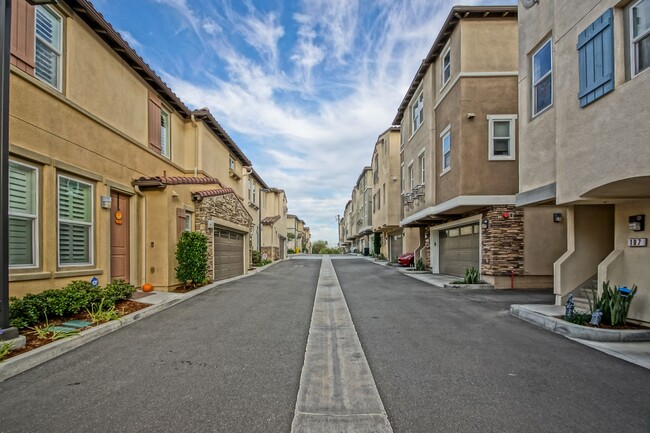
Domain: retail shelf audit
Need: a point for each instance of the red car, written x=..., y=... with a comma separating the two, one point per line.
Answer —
x=406, y=259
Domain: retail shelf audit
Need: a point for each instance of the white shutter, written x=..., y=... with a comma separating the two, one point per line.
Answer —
x=48, y=46
x=75, y=221
x=22, y=215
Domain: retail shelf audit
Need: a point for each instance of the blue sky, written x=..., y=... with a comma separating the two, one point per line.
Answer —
x=304, y=86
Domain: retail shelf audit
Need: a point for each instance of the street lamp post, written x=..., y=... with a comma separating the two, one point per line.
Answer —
x=5, y=48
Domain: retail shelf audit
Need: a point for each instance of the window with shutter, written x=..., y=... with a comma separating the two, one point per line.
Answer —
x=596, y=59
x=75, y=222
x=155, y=127
x=23, y=214
x=22, y=36
x=47, y=50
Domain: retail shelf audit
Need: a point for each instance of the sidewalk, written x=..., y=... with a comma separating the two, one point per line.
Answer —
x=624, y=347
x=158, y=301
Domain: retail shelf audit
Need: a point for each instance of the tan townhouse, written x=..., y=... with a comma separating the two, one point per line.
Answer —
x=108, y=166
x=274, y=224
x=386, y=200
x=361, y=209
x=255, y=187
x=295, y=233
x=344, y=228
x=583, y=112
x=307, y=241
x=300, y=236
x=459, y=156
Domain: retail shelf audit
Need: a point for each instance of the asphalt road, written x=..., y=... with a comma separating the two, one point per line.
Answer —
x=455, y=361
x=230, y=360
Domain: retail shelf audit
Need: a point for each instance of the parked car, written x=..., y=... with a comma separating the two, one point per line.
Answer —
x=406, y=259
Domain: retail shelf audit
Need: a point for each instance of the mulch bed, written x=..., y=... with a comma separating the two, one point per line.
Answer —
x=123, y=308
x=627, y=326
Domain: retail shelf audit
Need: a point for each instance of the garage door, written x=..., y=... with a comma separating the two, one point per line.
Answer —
x=228, y=254
x=459, y=249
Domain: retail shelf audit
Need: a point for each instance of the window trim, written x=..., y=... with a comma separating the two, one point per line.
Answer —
x=403, y=176
x=414, y=129
x=445, y=133
x=422, y=163
x=35, y=219
x=91, y=235
x=411, y=174
x=57, y=50
x=632, y=42
x=231, y=163
x=443, y=82
x=188, y=221
x=511, y=118
x=166, y=142
x=534, y=114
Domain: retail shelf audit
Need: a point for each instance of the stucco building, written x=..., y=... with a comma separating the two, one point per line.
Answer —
x=584, y=87
x=459, y=156
x=108, y=165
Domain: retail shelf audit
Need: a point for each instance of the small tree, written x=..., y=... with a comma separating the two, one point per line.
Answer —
x=192, y=257
x=318, y=246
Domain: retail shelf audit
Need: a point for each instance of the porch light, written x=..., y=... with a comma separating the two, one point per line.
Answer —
x=557, y=217
x=485, y=224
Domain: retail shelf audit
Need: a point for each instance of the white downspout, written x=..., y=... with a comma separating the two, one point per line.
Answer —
x=143, y=246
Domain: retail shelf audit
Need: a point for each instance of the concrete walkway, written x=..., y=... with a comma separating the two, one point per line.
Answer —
x=337, y=391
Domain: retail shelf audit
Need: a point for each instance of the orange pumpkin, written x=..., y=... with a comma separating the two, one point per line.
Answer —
x=146, y=287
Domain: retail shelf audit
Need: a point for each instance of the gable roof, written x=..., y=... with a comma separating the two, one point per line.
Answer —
x=163, y=181
x=96, y=21
x=455, y=15
x=200, y=195
x=271, y=220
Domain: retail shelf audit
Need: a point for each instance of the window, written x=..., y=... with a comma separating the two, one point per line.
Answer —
x=250, y=190
x=254, y=193
x=501, y=142
x=639, y=13
x=411, y=176
x=403, y=177
x=446, y=67
x=164, y=134
x=75, y=201
x=417, y=112
x=596, y=59
x=422, y=168
x=231, y=164
x=47, y=49
x=23, y=215
x=188, y=221
x=446, y=149
x=542, y=65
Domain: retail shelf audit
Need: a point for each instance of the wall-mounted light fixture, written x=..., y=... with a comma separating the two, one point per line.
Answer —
x=636, y=223
x=471, y=115
x=485, y=224
x=557, y=217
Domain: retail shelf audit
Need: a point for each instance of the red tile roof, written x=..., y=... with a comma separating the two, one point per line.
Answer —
x=178, y=180
x=271, y=220
x=214, y=192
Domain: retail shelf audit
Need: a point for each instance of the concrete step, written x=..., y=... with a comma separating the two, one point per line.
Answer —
x=581, y=304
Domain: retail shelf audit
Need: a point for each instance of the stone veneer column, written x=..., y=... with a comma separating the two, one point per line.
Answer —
x=503, y=242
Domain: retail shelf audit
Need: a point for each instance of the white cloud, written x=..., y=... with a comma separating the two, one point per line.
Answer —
x=315, y=123
x=130, y=39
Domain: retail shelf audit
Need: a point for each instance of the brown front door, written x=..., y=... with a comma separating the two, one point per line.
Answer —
x=120, y=252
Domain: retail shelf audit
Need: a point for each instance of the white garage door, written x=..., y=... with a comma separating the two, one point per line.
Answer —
x=459, y=249
x=228, y=254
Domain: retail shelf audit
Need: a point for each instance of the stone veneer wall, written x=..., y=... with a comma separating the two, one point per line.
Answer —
x=503, y=242
x=226, y=207
x=426, y=253
x=271, y=252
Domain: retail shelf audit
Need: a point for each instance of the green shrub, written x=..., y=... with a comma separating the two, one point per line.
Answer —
x=290, y=251
x=613, y=304
x=257, y=258
x=471, y=276
x=115, y=291
x=73, y=298
x=579, y=318
x=192, y=257
x=419, y=266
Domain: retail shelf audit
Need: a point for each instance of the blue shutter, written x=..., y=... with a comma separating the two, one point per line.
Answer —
x=596, y=59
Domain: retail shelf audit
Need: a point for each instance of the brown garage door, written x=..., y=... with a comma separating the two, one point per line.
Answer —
x=459, y=249
x=228, y=254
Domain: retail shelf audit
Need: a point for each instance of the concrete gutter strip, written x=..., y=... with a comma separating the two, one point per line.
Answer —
x=18, y=364
x=337, y=391
x=542, y=315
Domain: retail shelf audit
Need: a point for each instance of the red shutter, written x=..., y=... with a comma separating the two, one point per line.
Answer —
x=22, y=36
x=154, y=123
x=180, y=222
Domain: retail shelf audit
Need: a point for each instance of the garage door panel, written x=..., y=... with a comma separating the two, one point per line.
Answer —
x=228, y=254
x=458, y=252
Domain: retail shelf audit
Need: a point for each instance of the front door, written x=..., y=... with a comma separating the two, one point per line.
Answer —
x=120, y=251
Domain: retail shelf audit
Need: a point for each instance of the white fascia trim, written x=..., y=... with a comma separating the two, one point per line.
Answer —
x=462, y=200
x=458, y=223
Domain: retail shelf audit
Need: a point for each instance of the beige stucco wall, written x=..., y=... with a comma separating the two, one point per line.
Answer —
x=387, y=153
x=635, y=261
x=544, y=240
x=497, y=50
